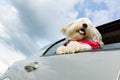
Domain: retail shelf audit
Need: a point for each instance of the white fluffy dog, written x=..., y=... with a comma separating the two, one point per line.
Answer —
x=81, y=36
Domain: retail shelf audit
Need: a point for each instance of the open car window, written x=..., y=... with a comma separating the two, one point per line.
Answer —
x=110, y=33
x=112, y=46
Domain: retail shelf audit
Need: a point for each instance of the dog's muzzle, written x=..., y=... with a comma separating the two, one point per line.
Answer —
x=82, y=31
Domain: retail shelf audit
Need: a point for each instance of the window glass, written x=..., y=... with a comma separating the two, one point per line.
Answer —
x=112, y=46
x=52, y=50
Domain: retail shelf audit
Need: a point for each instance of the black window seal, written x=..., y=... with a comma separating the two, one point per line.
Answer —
x=53, y=45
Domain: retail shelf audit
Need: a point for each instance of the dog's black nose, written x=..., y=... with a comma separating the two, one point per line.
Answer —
x=85, y=25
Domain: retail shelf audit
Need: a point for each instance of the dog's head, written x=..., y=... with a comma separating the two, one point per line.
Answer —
x=82, y=29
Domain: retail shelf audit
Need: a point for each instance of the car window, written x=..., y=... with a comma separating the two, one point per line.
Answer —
x=41, y=51
x=52, y=50
x=112, y=46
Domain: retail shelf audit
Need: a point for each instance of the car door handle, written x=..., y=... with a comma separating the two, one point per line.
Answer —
x=32, y=66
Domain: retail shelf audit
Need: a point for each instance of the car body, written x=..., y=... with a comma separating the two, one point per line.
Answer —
x=101, y=64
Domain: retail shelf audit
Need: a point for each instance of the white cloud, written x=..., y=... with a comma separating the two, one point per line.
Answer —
x=8, y=55
x=110, y=13
x=1, y=75
x=13, y=30
x=99, y=17
x=3, y=67
x=3, y=33
x=47, y=14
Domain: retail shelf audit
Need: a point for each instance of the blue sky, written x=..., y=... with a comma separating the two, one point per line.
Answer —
x=28, y=25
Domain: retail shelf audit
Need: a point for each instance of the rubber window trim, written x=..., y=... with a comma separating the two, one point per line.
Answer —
x=53, y=45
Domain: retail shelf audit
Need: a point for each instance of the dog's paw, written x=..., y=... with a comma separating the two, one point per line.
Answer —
x=73, y=47
x=62, y=50
x=85, y=47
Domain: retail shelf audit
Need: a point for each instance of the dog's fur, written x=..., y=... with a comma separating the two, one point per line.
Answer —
x=71, y=30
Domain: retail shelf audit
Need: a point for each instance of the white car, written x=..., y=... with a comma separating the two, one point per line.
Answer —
x=101, y=64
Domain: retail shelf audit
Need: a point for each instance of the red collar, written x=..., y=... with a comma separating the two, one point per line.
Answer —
x=93, y=44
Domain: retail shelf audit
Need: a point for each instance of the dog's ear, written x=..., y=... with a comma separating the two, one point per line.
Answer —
x=96, y=36
x=65, y=27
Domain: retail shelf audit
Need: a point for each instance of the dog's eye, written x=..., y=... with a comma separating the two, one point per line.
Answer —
x=85, y=25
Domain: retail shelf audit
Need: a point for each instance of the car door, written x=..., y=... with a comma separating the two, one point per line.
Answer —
x=91, y=65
